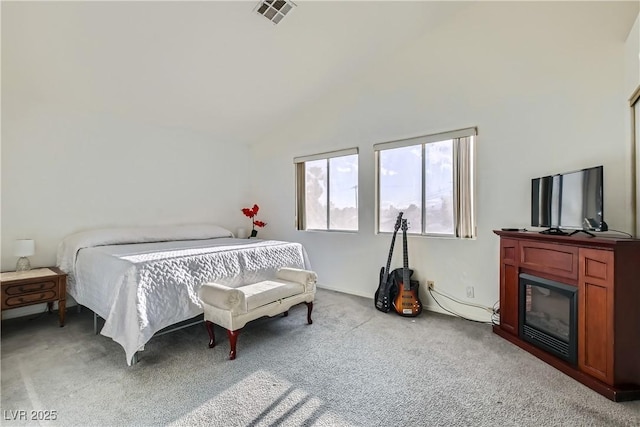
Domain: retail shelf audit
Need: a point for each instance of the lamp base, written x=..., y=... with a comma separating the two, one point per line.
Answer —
x=23, y=264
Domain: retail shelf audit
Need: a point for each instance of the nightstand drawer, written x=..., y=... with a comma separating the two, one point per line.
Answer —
x=27, y=299
x=25, y=288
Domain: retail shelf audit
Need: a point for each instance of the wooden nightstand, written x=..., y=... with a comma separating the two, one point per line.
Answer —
x=22, y=288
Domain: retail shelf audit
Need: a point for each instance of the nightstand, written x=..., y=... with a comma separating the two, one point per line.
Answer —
x=22, y=288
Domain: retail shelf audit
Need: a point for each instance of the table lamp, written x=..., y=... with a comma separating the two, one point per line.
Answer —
x=24, y=248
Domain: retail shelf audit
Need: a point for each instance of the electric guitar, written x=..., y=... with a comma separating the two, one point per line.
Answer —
x=384, y=294
x=407, y=302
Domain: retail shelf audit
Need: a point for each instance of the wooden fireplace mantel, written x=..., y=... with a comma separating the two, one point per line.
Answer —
x=606, y=272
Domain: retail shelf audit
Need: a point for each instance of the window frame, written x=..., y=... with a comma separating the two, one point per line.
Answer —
x=300, y=189
x=422, y=141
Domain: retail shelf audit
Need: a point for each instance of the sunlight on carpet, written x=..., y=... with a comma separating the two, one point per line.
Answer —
x=262, y=399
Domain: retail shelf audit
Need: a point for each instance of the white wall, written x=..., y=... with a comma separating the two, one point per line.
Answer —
x=543, y=85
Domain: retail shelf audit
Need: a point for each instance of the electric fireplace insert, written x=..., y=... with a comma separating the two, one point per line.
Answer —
x=548, y=316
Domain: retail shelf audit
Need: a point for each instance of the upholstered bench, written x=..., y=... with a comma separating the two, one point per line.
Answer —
x=232, y=308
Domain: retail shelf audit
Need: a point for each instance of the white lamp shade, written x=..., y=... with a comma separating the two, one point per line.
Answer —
x=24, y=247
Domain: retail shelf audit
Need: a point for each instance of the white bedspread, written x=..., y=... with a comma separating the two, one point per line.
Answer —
x=140, y=283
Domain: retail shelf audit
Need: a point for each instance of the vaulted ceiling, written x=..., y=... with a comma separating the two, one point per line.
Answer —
x=211, y=66
x=215, y=67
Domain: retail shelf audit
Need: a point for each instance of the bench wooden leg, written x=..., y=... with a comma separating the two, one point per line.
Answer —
x=309, y=308
x=212, y=337
x=233, y=339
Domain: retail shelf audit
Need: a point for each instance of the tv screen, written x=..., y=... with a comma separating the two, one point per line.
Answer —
x=571, y=200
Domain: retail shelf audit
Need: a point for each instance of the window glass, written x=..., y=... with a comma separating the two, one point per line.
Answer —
x=400, y=173
x=343, y=193
x=438, y=187
x=316, y=194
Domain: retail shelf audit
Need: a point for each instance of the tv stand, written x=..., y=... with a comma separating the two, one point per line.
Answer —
x=554, y=231
x=582, y=231
x=605, y=272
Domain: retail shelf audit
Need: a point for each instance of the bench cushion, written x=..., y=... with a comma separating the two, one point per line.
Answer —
x=232, y=308
x=266, y=292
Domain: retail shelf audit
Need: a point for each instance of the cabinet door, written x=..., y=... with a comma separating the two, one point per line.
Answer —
x=509, y=285
x=595, y=314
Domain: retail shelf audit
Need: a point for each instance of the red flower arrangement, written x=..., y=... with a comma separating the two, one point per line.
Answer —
x=252, y=213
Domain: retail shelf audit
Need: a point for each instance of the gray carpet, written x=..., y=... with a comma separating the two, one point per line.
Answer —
x=355, y=366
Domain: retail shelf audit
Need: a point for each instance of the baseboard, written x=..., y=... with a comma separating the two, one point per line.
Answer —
x=429, y=307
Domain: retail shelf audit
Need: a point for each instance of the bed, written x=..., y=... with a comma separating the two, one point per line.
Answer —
x=142, y=280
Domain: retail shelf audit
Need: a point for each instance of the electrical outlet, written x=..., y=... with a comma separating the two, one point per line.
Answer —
x=430, y=284
x=469, y=291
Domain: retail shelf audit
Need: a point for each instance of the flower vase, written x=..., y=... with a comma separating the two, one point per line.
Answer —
x=254, y=233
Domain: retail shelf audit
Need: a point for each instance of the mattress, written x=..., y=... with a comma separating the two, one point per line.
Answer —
x=142, y=285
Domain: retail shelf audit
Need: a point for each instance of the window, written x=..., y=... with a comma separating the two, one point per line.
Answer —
x=431, y=180
x=327, y=191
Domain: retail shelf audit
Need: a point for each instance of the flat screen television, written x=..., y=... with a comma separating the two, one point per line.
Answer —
x=570, y=200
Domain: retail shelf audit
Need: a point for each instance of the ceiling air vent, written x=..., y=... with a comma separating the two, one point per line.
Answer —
x=275, y=10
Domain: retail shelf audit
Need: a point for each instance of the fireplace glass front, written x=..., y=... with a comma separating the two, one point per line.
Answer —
x=548, y=316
